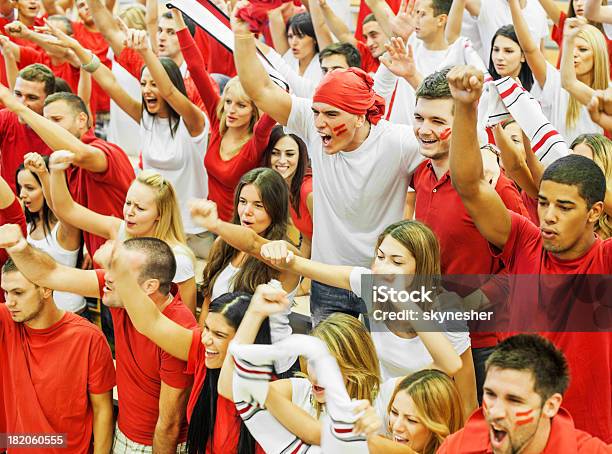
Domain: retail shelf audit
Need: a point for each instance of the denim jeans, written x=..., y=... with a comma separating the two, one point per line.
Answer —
x=325, y=300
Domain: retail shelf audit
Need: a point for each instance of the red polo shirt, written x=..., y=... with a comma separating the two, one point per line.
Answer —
x=103, y=192
x=563, y=438
x=589, y=354
x=368, y=63
x=141, y=368
x=16, y=139
x=463, y=250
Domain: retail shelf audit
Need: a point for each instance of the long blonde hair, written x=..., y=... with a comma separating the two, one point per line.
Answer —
x=601, y=147
x=601, y=70
x=169, y=227
x=234, y=83
x=134, y=16
x=437, y=402
x=350, y=343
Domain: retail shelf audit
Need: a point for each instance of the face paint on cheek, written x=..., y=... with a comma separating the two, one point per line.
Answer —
x=446, y=134
x=339, y=130
x=523, y=417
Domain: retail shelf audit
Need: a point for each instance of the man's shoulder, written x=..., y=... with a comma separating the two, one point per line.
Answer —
x=179, y=313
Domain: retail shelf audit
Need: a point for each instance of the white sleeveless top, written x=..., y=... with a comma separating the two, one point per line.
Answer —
x=64, y=300
x=279, y=323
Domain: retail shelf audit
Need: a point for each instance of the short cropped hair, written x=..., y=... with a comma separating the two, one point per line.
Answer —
x=76, y=104
x=350, y=52
x=441, y=6
x=65, y=21
x=61, y=86
x=585, y=174
x=435, y=86
x=9, y=266
x=532, y=353
x=159, y=264
x=369, y=18
x=38, y=72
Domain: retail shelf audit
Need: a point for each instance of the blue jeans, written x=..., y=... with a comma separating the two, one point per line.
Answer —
x=325, y=300
x=479, y=357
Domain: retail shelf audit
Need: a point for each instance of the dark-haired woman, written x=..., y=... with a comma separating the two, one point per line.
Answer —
x=507, y=58
x=214, y=424
x=260, y=216
x=297, y=43
x=287, y=154
x=58, y=239
x=173, y=130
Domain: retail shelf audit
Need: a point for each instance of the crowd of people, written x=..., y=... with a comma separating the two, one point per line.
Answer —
x=146, y=165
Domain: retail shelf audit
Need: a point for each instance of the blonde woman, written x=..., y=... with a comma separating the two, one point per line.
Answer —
x=150, y=210
x=298, y=403
x=599, y=149
x=584, y=69
x=238, y=136
x=405, y=248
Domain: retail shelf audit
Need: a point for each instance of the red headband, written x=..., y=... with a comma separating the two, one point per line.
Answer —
x=351, y=90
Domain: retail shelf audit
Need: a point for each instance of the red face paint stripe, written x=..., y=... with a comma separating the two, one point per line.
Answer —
x=520, y=414
x=446, y=134
x=524, y=421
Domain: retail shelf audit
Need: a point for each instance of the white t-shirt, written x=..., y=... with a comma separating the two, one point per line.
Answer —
x=185, y=268
x=469, y=29
x=555, y=101
x=313, y=70
x=357, y=193
x=398, y=94
x=496, y=13
x=400, y=356
x=50, y=244
x=279, y=322
x=180, y=159
x=301, y=86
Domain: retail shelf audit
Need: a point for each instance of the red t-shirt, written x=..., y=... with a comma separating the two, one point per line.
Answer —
x=223, y=176
x=141, y=367
x=564, y=438
x=227, y=422
x=589, y=355
x=531, y=205
x=103, y=192
x=47, y=376
x=557, y=37
x=463, y=250
x=94, y=41
x=16, y=139
x=303, y=222
x=368, y=63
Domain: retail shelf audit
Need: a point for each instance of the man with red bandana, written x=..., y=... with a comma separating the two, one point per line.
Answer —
x=362, y=163
x=521, y=408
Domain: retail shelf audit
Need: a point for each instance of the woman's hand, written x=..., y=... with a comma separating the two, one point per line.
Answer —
x=35, y=164
x=204, y=213
x=277, y=253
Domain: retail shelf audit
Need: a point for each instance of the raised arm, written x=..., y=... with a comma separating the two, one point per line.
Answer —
x=480, y=200
x=321, y=27
x=383, y=13
x=145, y=316
x=278, y=28
x=11, y=53
x=267, y=300
x=256, y=82
x=596, y=12
x=534, y=56
x=552, y=10
x=579, y=90
x=321, y=9
x=68, y=210
x=17, y=30
x=106, y=23
x=151, y=22
x=101, y=73
x=399, y=59
x=455, y=21
x=190, y=113
x=196, y=66
x=42, y=270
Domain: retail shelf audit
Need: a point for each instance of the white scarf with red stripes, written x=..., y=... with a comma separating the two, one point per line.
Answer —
x=507, y=98
x=252, y=373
